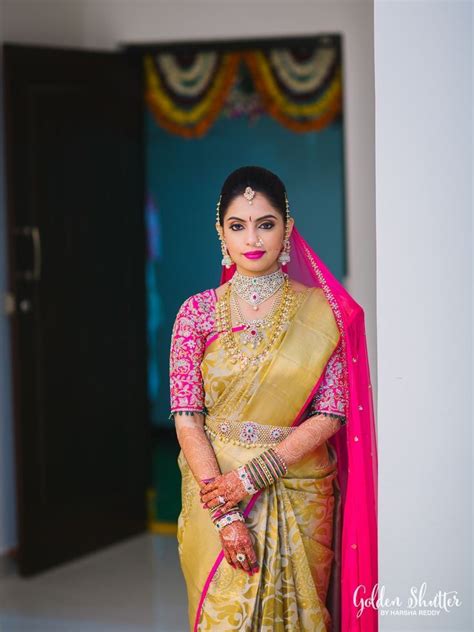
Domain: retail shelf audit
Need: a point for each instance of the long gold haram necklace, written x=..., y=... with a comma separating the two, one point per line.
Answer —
x=229, y=342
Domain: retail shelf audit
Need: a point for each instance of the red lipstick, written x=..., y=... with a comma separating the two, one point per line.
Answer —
x=254, y=254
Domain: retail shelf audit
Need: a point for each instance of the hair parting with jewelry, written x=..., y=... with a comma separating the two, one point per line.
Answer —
x=247, y=181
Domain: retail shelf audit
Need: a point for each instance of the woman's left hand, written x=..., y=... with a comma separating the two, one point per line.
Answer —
x=227, y=485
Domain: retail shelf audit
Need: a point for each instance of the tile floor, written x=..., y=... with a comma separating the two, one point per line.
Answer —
x=133, y=586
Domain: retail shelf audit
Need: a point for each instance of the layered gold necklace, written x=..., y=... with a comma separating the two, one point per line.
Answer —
x=276, y=322
x=253, y=332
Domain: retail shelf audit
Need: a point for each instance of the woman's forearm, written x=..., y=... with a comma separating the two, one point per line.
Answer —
x=196, y=446
x=307, y=437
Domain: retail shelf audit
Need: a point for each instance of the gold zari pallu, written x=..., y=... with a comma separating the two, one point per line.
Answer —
x=248, y=434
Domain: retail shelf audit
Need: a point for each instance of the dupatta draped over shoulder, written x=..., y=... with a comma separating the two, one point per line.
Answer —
x=315, y=529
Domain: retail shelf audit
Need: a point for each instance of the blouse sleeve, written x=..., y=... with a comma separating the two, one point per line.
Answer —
x=330, y=398
x=187, y=348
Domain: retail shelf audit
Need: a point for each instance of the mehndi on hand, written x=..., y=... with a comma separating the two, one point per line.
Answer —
x=238, y=547
x=228, y=489
x=228, y=486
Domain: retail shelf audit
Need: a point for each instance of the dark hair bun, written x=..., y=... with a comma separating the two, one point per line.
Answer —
x=261, y=180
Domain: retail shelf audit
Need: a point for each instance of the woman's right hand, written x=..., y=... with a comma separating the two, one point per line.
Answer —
x=236, y=538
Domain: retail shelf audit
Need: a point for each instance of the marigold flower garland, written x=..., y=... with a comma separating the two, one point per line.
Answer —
x=275, y=76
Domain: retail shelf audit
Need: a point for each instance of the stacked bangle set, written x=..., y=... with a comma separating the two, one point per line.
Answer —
x=222, y=520
x=262, y=471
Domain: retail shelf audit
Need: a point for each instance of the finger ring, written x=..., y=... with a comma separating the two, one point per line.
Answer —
x=240, y=557
x=221, y=499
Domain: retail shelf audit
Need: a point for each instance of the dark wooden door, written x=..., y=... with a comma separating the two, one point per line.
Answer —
x=76, y=237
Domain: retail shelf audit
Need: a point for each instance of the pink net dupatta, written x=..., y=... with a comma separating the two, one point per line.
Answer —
x=355, y=445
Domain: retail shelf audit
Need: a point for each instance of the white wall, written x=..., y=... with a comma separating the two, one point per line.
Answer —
x=423, y=87
x=103, y=24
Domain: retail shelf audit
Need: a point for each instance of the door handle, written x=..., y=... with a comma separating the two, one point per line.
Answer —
x=35, y=273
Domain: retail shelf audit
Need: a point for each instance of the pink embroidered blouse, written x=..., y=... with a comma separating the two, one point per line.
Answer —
x=194, y=324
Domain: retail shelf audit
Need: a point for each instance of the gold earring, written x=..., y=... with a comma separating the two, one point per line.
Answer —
x=226, y=259
x=284, y=256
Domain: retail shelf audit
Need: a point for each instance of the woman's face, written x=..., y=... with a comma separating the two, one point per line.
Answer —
x=254, y=228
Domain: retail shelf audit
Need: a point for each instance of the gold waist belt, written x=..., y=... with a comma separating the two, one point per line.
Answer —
x=246, y=433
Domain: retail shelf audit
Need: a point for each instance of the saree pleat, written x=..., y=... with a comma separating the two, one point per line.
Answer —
x=292, y=522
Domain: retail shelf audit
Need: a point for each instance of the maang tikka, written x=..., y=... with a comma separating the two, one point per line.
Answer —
x=284, y=256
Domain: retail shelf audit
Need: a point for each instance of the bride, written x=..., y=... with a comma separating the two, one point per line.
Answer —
x=272, y=404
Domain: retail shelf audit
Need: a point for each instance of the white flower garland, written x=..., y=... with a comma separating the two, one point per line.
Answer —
x=286, y=67
x=178, y=78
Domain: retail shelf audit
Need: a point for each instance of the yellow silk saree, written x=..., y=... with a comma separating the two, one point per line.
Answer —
x=292, y=522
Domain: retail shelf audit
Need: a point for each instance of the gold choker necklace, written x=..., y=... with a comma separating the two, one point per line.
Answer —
x=257, y=289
